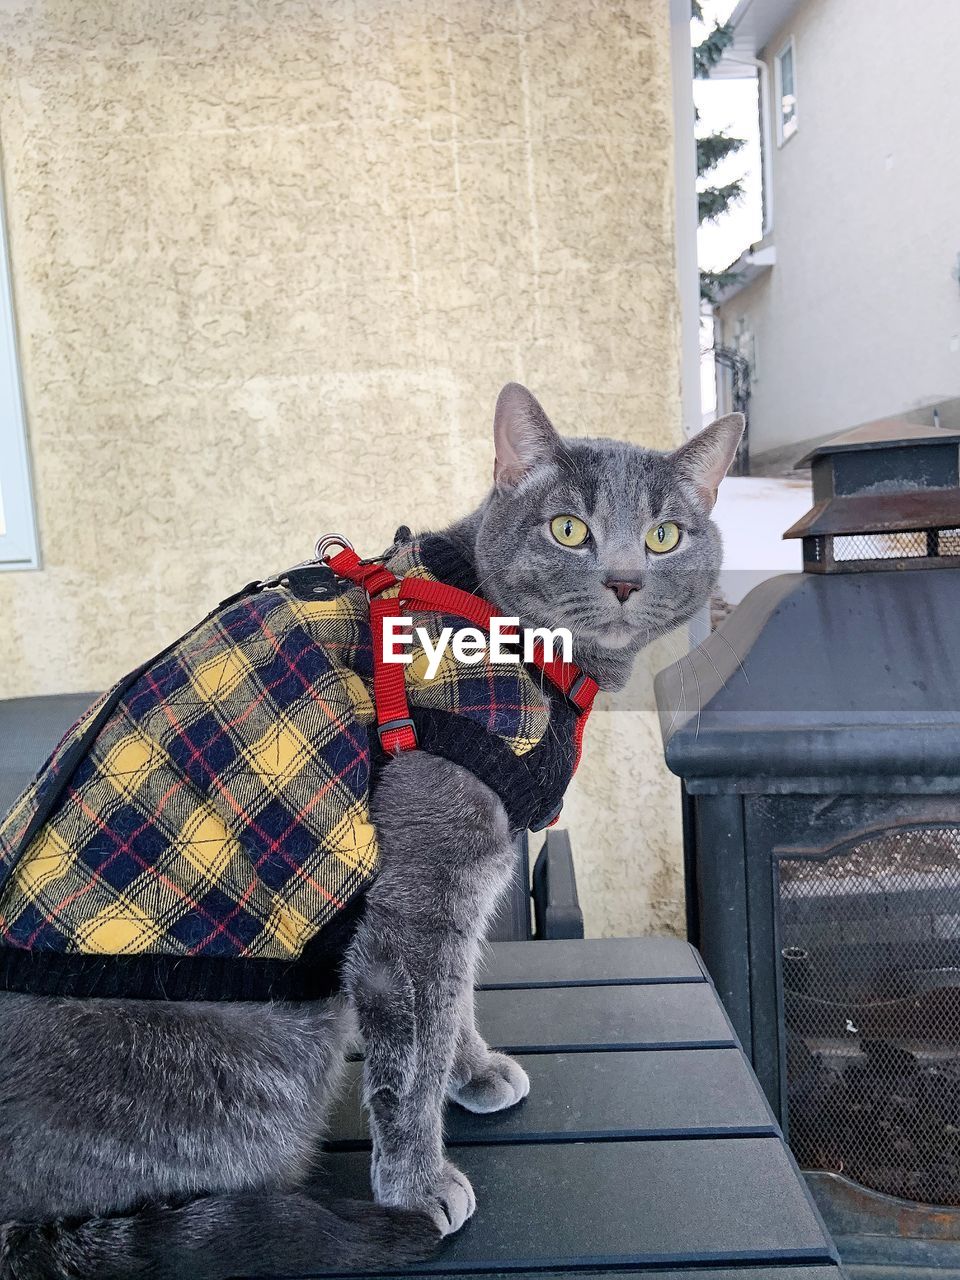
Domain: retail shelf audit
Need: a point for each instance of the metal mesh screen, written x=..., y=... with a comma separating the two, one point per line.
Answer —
x=870, y=962
x=879, y=546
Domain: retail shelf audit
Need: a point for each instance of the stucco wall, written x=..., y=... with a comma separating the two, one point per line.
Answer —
x=272, y=263
x=860, y=316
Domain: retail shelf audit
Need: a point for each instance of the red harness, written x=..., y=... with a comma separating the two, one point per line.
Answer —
x=394, y=724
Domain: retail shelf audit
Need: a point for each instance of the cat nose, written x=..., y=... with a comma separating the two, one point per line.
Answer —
x=624, y=587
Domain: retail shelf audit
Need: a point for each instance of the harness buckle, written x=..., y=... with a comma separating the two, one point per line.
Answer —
x=575, y=688
x=389, y=726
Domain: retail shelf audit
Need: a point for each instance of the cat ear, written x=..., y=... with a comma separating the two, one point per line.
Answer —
x=523, y=435
x=706, y=458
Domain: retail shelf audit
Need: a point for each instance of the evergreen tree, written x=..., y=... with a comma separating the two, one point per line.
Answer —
x=713, y=200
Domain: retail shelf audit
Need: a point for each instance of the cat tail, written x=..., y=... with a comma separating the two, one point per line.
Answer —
x=217, y=1237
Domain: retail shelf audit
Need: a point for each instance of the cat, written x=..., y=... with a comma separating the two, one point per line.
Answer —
x=168, y=1138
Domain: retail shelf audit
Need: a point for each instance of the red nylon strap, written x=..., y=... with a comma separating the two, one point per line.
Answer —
x=389, y=689
x=374, y=578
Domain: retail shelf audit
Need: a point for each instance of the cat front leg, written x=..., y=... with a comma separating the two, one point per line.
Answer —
x=483, y=1080
x=445, y=857
x=408, y=1038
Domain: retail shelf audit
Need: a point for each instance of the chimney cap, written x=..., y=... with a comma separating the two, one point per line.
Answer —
x=884, y=434
x=911, y=509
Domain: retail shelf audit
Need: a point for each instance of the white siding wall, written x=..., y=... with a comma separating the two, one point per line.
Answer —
x=860, y=317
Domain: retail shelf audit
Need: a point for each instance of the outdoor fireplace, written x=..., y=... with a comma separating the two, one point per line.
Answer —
x=817, y=734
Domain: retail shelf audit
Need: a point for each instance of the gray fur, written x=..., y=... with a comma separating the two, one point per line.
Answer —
x=163, y=1140
x=621, y=491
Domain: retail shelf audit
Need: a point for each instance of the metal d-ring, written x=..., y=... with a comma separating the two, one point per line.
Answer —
x=331, y=540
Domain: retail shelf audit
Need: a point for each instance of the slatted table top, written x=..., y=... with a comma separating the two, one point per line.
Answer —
x=645, y=1147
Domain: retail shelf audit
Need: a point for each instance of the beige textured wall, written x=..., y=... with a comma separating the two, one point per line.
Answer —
x=273, y=261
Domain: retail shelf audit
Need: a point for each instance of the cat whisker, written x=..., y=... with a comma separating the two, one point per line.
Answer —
x=720, y=636
x=482, y=584
x=696, y=676
x=702, y=650
x=680, y=700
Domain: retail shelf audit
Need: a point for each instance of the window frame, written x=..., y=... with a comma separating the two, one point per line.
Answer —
x=788, y=46
x=18, y=534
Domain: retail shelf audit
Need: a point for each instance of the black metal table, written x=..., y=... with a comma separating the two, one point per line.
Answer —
x=646, y=1145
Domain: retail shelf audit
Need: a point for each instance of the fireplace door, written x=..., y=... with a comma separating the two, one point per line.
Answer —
x=869, y=991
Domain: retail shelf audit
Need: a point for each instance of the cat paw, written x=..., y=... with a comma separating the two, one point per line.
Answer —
x=452, y=1201
x=449, y=1202
x=501, y=1083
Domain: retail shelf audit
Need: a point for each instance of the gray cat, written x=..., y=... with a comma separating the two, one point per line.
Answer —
x=177, y=1138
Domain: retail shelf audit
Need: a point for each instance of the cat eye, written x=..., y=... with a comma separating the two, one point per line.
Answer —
x=569, y=531
x=662, y=537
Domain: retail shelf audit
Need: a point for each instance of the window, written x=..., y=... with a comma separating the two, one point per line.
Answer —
x=786, y=89
x=18, y=535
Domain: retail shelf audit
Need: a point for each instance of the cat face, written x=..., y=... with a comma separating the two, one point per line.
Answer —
x=610, y=540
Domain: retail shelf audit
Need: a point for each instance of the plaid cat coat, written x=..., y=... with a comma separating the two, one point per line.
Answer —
x=203, y=832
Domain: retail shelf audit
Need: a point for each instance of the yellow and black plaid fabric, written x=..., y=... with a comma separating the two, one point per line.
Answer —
x=223, y=808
